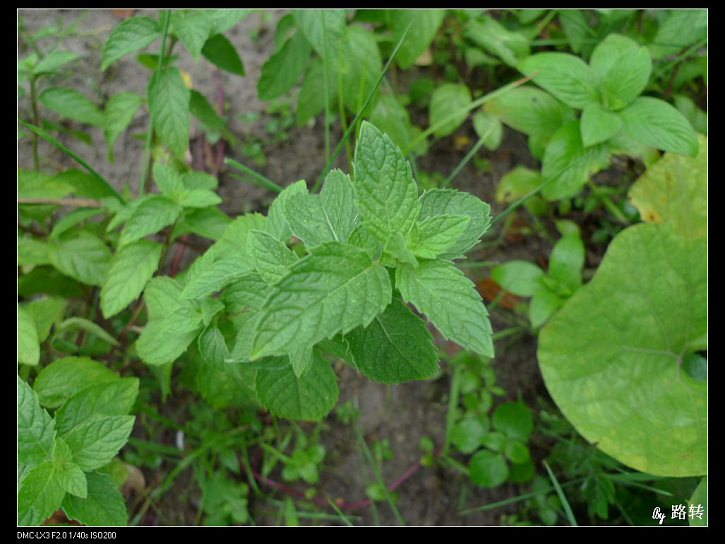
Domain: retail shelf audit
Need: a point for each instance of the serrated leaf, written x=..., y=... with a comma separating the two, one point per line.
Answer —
x=309, y=397
x=209, y=308
x=130, y=270
x=45, y=312
x=424, y=25
x=131, y=35
x=71, y=104
x=160, y=344
x=283, y=69
x=446, y=100
x=221, y=52
x=396, y=250
x=162, y=297
x=120, y=110
x=39, y=495
x=249, y=291
x=208, y=276
x=450, y=301
x=396, y=347
x=199, y=198
x=278, y=225
x=598, y=125
x=324, y=30
x=301, y=361
x=53, y=61
x=387, y=194
x=392, y=119
x=565, y=76
x=82, y=256
x=36, y=431
x=114, y=398
x=437, y=202
x=334, y=289
x=330, y=216
x=74, y=218
x=436, y=234
x=104, y=504
x=152, y=215
x=655, y=123
x=272, y=258
x=65, y=377
x=168, y=180
x=521, y=278
x=192, y=28
x=69, y=476
x=622, y=68
x=28, y=343
x=206, y=222
x=95, y=442
x=234, y=240
x=222, y=20
x=168, y=100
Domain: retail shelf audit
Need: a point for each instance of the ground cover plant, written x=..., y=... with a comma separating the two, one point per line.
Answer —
x=362, y=267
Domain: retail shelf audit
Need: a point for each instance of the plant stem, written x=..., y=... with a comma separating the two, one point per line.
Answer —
x=68, y=202
x=461, y=165
x=36, y=122
x=261, y=181
x=452, y=403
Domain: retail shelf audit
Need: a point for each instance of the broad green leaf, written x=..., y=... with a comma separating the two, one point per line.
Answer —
x=387, y=194
x=436, y=202
x=311, y=100
x=622, y=68
x=31, y=251
x=206, y=222
x=85, y=184
x=450, y=301
x=152, y=215
x=222, y=20
x=120, y=110
x=567, y=261
x=74, y=218
x=46, y=312
x=234, y=240
x=39, y=185
x=131, y=35
x=82, y=256
x=518, y=277
x=301, y=361
x=199, y=198
x=208, y=276
x=210, y=307
x=309, y=397
x=130, y=270
x=71, y=104
x=488, y=469
x=194, y=181
x=39, y=495
x=514, y=419
x=699, y=498
x=517, y=452
x=598, y=125
x=681, y=29
x=36, y=432
x=488, y=33
x=324, y=30
x=283, y=69
x=46, y=280
x=70, y=476
x=424, y=25
x=518, y=183
x=96, y=441
x=272, y=258
x=362, y=66
x=192, y=28
x=334, y=289
x=73, y=324
x=569, y=163
x=165, y=340
x=221, y=52
x=466, y=435
x=448, y=108
x=200, y=108
x=168, y=181
x=169, y=105
x=543, y=304
x=65, y=377
x=114, y=398
x=245, y=325
x=330, y=216
x=28, y=343
x=577, y=28
x=674, y=191
x=392, y=119
x=395, y=347
x=53, y=61
x=565, y=76
x=396, y=250
x=104, y=504
x=657, y=124
x=162, y=297
x=591, y=356
x=436, y=234
x=278, y=225
x=696, y=116
x=489, y=129
x=249, y=291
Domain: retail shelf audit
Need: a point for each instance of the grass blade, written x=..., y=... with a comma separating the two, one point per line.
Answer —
x=562, y=497
x=259, y=179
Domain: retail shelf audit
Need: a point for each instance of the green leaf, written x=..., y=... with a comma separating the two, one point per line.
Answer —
x=28, y=343
x=70, y=477
x=311, y=100
x=696, y=117
x=96, y=441
x=283, y=69
x=488, y=33
x=489, y=129
x=249, y=291
x=324, y=30
x=39, y=185
x=674, y=191
x=450, y=301
x=120, y=110
x=565, y=76
x=206, y=222
x=131, y=35
x=272, y=258
x=71, y=104
x=466, y=435
x=152, y=215
x=65, y=377
x=209, y=276
x=46, y=312
x=699, y=498
x=130, y=270
x=395, y=347
x=488, y=469
x=542, y=306
x=387, y=194
x=592, y=355
x=222, y=20
x=221, y=52
x=199, y=198
x=114, y=398
x=681, y=29
x=80, y=323
x=192, y=28
x=162, y=341
x=598, y=125
x=39, y=495
x=74, y=218
x=517, y=452
x=169, y=105
x=436, y=234
x=396, y=251
x=82, y=256
x=622, y=68
x=234, y=240
x=392, y=119
x=655, y=123
x=162, y=297
x=210, y=307
x=278, y=225
x=301, y=361
x=168, y=181
x=360, y=55
x=515, y=420
x=567, y=261
x=104, y=504
x=31, y=251
x=424, y=25
x=53, y=61
x=330, y=216
x=36, y=432
x=570, y=163
x=447, y=99
x=309, y=397
x=334, y=289
x=521, y=278
x=436, y=202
